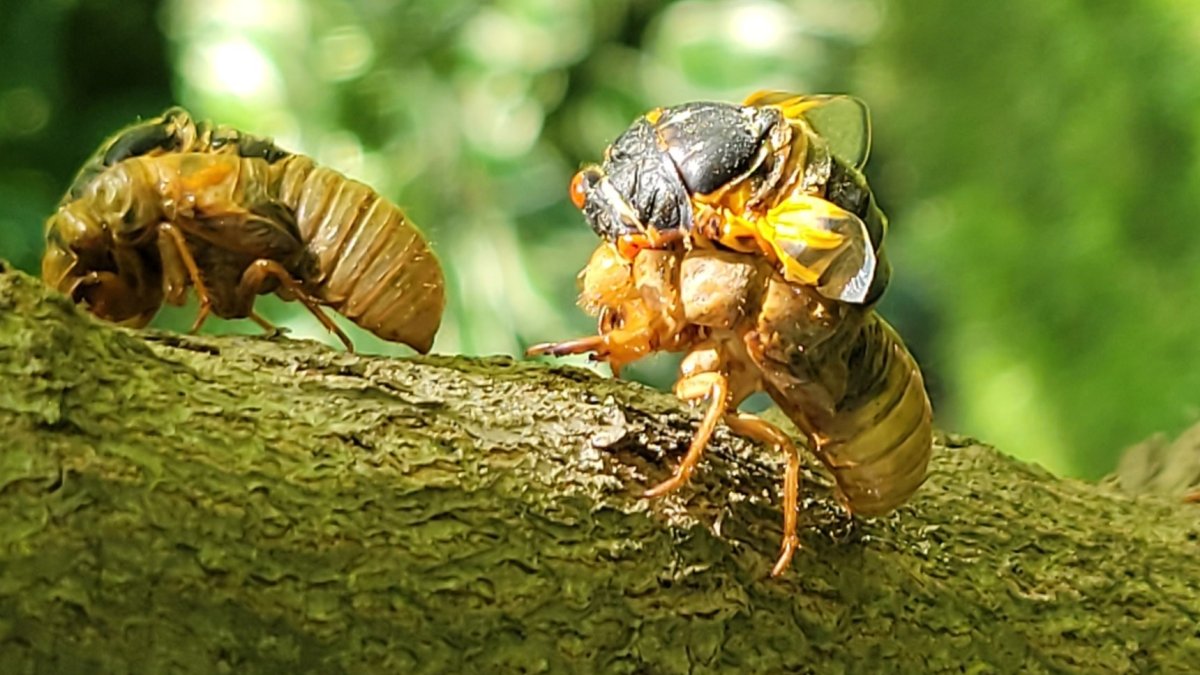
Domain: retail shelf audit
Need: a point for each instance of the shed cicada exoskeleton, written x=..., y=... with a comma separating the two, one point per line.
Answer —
x=172, y=203
x=747, y=237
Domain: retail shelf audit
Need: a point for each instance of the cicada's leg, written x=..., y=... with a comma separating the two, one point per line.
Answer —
x=607, y=347
x=175, y=251
x=1192, y=498
x=583, y=345
x=715, y=387
x=616, y=348
x=254, y=280
x=762, y=431
x=112, y=298
x=267, y=326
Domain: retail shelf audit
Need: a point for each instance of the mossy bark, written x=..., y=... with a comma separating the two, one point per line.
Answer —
x=200, y=504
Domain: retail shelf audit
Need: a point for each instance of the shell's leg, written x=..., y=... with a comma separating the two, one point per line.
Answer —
x=174, y=249
x=254, y=280
x=615, y=347
x=267, y=326
x=715, y=387
x=108, y=295
x=762, y=431
x=583, y=345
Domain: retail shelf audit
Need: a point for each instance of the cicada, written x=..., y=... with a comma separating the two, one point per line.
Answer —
x=747, y=237
x=171, y=204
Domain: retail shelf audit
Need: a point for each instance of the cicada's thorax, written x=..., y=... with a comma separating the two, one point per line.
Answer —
x=130, y=199
x=794, y=160
x=790, y=159
x=172, y=132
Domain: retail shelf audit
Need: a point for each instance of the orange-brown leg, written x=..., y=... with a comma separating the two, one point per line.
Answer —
x=616, y=348
x=598, y=345
x=267, y=326
x=111, y=298
x=193, y=270
x=762, y=431
x=583, y=345
x=715, y=387
x=259, y=271
x=1193, y=498
x=817, y=445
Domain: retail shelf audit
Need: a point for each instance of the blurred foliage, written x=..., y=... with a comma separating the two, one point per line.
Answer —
x=1038, y=160
x=1043, y=177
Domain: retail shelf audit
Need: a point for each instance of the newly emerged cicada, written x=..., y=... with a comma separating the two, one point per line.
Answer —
x=747, y=237
x=173, y=203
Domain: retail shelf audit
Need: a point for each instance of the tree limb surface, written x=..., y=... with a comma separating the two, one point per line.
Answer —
x=232, y=504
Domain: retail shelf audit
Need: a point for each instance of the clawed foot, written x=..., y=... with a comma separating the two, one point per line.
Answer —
x=202, y=314
x=790, y=543
x=593, y=344
x=669, y=485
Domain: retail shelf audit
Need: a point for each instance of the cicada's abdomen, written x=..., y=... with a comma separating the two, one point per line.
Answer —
x=879, y=441
x=374, y=265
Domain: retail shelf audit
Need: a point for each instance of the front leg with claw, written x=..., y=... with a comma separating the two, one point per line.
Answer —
x=618, y=347
x=715, y=387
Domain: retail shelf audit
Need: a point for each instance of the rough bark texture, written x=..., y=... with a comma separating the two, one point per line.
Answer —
x=201, y=504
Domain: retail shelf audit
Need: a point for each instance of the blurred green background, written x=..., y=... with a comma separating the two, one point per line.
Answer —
x=1038, y=159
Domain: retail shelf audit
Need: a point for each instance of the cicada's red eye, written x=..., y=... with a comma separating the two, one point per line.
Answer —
x=578, y=194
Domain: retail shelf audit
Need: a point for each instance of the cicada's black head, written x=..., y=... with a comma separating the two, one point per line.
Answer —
x=653, y=169
x=634, y=190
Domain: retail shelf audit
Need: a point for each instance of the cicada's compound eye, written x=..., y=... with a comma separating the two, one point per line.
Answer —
x=578, y=193
x=583, y=184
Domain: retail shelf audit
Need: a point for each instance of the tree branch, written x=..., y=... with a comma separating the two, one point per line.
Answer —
x=208, y=504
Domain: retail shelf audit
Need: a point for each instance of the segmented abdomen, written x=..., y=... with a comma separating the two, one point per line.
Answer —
x=374, y=266
x=879, y=441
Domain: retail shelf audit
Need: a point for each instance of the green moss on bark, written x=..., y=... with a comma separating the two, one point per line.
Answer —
x=251, y=505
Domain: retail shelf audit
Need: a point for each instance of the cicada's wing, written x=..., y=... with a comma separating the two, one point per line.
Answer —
x=823, y=245
x=843, y=121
